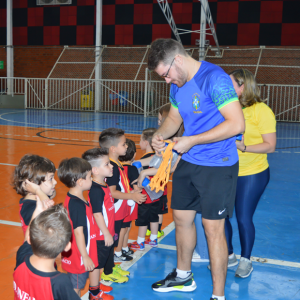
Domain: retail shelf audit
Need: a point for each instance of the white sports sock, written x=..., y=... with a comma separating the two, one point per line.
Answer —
x=140, y=240
x=183, y=274
x=218, y=297
x=231, y=255
x=125, y=249
x=118, y=253
x=153, y=237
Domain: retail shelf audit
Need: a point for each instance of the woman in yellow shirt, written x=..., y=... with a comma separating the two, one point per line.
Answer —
x=254, y=174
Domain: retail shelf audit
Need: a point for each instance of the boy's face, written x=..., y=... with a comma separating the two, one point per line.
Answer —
x=105, y=168
x=87, y=182
x=48, y=186
x=121, y=148
x=159, y=119
x=143, y=143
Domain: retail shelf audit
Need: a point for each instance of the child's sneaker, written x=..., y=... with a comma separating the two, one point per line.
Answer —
x=136, y=246
x=119, y=270
x=122, y=258
x=101, y=296
x=151, y=243
x=160, y=234
x=114, y=277
x=129, y=252
x=148, y=233
x=105, y=288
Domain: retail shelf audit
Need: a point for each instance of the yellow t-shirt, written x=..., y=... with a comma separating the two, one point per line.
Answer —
x=259, y=120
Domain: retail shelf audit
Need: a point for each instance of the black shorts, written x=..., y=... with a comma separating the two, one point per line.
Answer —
x=147, y=213
x=126, y=224
x=163, y=202
x=209, y=190
x=103, y=253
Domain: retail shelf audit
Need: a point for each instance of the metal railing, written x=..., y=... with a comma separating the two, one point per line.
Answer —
x=127, y=96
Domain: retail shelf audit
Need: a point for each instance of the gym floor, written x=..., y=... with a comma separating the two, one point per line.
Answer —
x=57, y=135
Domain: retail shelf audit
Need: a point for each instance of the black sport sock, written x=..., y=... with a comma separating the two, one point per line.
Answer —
x=94, y=290
x=159, y=227
x=149, y=227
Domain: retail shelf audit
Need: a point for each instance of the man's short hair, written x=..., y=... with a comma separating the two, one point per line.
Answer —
x=131, y=150
x=31, y=167
x=164, y=51
x=50, y=232
x=147, y=134
x=110, y=137
x=70, y=170
x=94, y=156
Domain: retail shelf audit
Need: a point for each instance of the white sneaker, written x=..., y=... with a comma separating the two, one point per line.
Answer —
x=197, y=258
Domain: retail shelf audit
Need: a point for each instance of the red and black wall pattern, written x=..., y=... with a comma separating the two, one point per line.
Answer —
x=139, y=22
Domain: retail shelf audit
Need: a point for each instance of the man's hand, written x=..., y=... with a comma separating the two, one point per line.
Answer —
x=108, y=239
x=88, y=263
x=158, y=143
x=183, y=144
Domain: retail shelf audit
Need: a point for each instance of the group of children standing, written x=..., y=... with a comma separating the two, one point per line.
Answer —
x=91, y=234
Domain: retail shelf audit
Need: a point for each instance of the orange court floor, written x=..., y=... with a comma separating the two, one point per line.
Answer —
x=55, y=144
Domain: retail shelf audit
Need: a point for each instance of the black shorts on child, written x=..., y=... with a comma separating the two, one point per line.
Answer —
x=103, y=253
x=163, y=208
x=148, y=213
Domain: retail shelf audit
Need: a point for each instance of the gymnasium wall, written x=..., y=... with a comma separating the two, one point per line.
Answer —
x=138, y=22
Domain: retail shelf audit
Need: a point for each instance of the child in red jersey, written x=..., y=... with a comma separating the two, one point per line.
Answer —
x=148, y=211
x=132, y=174
x=39, y=170
x=49, y=233
x=104, y=214
x=76, y=174
x=113, y=139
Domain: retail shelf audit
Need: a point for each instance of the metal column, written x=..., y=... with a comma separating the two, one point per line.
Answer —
x=98, y=60
x=9, y=49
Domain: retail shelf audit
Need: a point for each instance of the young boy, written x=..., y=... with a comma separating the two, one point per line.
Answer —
x=132, y=174
x=104, y=214
x=39, y=170
x=114, y=140
x=35, y=276
x=148, y=211
x=76, y=174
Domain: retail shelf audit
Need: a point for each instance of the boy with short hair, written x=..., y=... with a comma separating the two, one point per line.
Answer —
x=39, y=170
x=132, y=174
x=35, y=276
x=148, y=211
x=114, y=140
x=104, y=215
x=75, y=173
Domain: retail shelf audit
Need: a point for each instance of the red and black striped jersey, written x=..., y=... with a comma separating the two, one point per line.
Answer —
x=26, y=209
x=32, y=284
x=80, y=214
x=120, y=180
x=102, y=202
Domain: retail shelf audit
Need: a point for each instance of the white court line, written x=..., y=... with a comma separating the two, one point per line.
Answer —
x=137, y=255
x=8, y=164
x=10, y=223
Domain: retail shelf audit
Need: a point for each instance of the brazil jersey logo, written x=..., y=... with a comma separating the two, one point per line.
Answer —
x=196, y=101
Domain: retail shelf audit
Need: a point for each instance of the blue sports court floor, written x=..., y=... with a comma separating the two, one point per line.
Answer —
x=276, y=252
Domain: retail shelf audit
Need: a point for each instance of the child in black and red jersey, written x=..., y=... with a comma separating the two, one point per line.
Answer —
x=35, y=276
x=148, y=211
x=104, y=214
x=132, y=174
x=76, y=174
x=114, y=140
x=39, y=170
